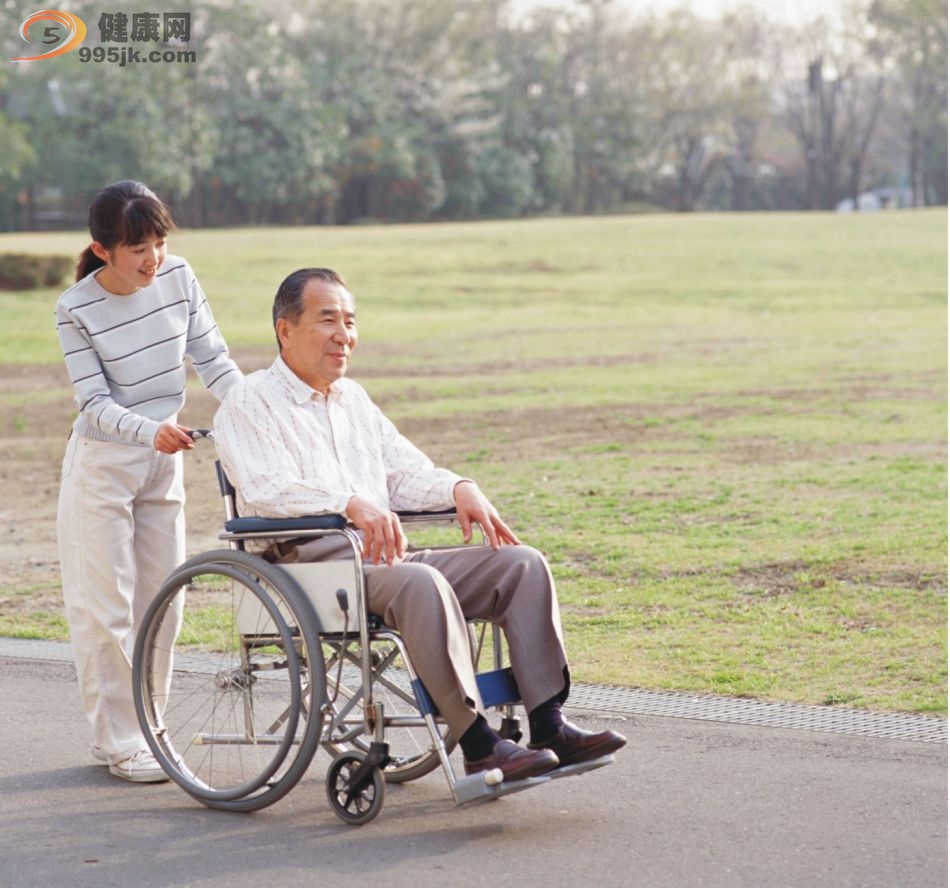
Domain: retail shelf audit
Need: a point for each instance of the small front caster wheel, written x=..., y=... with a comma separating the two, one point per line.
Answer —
x=354, y=804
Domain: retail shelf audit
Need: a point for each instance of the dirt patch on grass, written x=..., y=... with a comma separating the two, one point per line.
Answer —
x=36, y=412
x=788, y=578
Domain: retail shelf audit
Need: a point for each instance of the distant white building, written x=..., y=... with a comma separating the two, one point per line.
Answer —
x=894, y=198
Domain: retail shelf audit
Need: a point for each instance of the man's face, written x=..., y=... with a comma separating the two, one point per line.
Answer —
x=318, y=345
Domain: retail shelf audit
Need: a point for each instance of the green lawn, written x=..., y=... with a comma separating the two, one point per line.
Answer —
x=728, y=432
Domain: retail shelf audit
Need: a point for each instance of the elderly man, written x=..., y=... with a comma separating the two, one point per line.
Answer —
x=301, y=439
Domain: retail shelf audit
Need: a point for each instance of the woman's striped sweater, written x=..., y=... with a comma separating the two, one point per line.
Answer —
x=126, y=354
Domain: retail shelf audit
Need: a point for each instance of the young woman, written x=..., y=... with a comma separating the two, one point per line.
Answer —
x=126, y=326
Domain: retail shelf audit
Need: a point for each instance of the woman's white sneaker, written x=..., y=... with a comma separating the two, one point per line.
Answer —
x=140, y=767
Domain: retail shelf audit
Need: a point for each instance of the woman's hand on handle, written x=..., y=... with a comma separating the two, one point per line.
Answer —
x=171, y=438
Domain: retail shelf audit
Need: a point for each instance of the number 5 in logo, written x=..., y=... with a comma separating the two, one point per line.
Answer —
x=67, y=32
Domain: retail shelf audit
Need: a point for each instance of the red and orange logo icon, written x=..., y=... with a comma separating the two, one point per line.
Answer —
x=65, y=33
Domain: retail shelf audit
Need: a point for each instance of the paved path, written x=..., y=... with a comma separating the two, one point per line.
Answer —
x=690, y=802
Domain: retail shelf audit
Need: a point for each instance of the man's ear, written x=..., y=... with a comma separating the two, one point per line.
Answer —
x=100, y=252
x=280, y=328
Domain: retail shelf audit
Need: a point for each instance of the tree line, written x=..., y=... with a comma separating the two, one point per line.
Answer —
x=341, y=111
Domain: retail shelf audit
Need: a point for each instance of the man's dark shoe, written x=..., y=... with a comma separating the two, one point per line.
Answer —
x=573, y=745
x=514, y=762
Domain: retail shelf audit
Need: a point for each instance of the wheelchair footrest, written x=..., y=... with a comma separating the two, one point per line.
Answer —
x=581, y=767
x=474, y=788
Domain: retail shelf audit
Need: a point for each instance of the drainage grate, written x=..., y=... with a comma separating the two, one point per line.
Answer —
x=890, y=726
x=627, y=701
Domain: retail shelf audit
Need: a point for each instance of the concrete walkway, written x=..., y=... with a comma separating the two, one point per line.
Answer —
x=709, y=792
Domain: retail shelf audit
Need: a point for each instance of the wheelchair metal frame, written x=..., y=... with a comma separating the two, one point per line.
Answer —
x=292, y=638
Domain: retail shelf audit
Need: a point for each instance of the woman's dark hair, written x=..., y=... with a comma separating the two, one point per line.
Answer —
x=288, y=303
x=126, y=212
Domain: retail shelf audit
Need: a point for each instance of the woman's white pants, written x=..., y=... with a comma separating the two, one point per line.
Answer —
x=121, y=530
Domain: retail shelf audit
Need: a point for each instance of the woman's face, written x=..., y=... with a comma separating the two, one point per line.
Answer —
x=129, y=267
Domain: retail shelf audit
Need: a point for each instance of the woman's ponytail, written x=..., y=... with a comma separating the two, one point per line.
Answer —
x=88, y=261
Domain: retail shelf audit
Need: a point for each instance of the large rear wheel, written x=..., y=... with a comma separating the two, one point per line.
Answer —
x=228, y=679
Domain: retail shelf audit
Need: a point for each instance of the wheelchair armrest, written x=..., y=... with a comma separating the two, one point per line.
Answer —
x=281, y=526
x=423, y=517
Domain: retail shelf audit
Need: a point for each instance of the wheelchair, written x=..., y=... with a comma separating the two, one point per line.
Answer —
x=243, y=668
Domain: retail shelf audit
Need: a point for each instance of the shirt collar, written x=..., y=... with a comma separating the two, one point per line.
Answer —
x=300, y=391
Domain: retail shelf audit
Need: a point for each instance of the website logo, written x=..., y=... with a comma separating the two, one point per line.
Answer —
x=65, y=33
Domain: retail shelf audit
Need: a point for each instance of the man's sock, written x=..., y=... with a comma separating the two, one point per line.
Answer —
x=545, y=720
x=479, y=740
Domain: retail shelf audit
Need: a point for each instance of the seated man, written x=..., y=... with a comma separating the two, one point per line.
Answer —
x=300, y=439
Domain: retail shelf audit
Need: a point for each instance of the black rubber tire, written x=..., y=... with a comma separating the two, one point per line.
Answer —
x=269, y=691
x=364, y=806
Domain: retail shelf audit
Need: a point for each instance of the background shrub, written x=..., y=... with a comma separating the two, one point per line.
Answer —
x=22, y=271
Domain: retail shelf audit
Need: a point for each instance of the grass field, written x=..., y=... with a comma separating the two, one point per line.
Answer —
x=728, y=432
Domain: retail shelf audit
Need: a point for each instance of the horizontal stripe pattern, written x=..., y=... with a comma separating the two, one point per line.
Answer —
x=126, y=355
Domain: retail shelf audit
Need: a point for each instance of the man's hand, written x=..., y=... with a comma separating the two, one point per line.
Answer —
x=383, y=537
x=171, y=438
x=473, y=507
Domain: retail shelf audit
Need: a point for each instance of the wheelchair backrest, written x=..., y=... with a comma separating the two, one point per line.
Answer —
x=228, y=493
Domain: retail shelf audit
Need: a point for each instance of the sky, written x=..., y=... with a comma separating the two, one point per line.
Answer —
x=793, y=12
x=789, y=11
